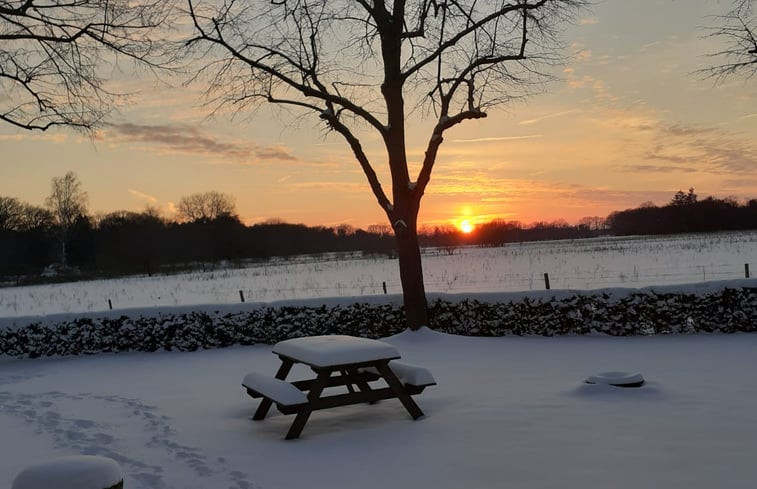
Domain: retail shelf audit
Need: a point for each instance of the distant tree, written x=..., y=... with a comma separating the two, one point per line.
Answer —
x=153, y=211
x=594, y=223
x=11, y=213
x=68, y=202
x=343, y=230
x=129, y=241
x=53, y=54
x=380, y=229
x=36, y=218
x=362, y=65
x=738, y=29
x=206, y=206
x=681, y=198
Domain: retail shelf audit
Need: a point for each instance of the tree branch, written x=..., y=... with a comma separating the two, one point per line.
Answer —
x=318, y=92
x=333, y=121
x=471, y=28
x=424, y=176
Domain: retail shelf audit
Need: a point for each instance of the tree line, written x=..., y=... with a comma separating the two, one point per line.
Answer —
x=63, y=240
x=685, y=213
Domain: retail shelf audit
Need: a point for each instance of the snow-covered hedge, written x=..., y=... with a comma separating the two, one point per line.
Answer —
x=727, y=311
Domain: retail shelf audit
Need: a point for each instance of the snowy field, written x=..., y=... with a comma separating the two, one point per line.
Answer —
x=507, y=412
x=574, y=264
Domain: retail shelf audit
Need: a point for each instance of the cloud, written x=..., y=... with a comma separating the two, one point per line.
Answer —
x=583, y=55
x=165, y=208
x=171, y=208
x=659, y=168
x=548, y=116
x=191, y=140
x=580, y=82
x=708, y=149
x=142, y=196
x=648, y=46
x=31, y=136
x=331, y=186
x=742, y=183
x=499, y=138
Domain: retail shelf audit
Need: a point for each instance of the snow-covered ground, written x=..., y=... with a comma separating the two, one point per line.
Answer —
x=635, y=261
x=507, y=412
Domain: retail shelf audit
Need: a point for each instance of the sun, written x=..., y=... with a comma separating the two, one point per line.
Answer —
x=466, y=226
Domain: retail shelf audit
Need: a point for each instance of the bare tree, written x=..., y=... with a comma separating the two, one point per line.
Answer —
x=380, y=229
x=595, y=223
x=11, y=213
x=67, y=201
x=738, y=29
x=54, y=55
x=35, y=217
x=365, y=64
x=206, y=206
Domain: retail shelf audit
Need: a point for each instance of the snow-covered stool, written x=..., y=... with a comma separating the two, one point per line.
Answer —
x=413, y=377
x=617, y=379
x=337, y=360
x=280, y=392
x=75, y=472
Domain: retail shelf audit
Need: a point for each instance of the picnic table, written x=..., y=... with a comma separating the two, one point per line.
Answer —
x=336, y=360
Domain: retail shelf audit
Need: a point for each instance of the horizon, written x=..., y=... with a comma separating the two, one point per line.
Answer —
x=628, y=123
x=465, y=226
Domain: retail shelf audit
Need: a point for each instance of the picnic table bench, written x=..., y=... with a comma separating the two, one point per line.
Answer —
x=336, y=360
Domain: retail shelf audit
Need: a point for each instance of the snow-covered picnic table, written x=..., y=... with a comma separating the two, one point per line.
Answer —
x=336, y=360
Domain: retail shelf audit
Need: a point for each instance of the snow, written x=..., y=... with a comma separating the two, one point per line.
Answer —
x=412, y=374
x=73, y=472
x=408, y=373
x=620, y=262
x=275, y=389
x=616, y=378
x=507, y=412
x=330, y=350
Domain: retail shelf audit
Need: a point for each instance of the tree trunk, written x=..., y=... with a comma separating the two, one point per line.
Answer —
x=63, y=249
x=411, y=276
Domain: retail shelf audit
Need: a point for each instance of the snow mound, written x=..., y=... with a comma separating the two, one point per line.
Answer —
x=74, y=472
x=618, y=379
x=423, y=334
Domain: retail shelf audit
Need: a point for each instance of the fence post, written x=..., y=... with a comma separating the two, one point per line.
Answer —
x=241, y=295
x=746, y=270
x=546, y=280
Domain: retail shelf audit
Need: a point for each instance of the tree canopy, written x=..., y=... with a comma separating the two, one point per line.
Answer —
x=55, y=54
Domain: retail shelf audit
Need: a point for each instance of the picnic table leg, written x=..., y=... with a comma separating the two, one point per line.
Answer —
x=396, y=386
x=265, y=404
x=350, y=389
x=362, y=385
x=304, y=413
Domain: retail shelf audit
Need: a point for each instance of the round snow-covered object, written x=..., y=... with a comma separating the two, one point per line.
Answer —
x=76, y=472
x=619, y=379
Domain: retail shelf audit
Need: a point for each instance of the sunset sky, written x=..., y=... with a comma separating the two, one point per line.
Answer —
x=628, y=123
